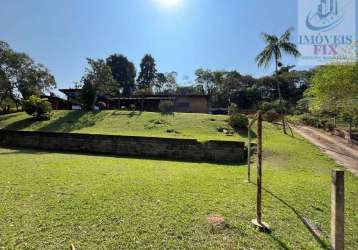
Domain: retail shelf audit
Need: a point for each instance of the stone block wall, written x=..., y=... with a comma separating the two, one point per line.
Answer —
x=179, y=149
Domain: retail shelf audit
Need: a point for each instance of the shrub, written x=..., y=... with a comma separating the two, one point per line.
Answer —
x=271, y=116
x=102, y=105
x=166, y=107
x=220, y=129
x=330, y=126
x=38, y=107
x=302, y=106
x=238, y=121
x=307, y=119
x=172, y=131
x=310, y=120
x=266, y=106
x=132, y=107
x=232, y=109
x=275, y=106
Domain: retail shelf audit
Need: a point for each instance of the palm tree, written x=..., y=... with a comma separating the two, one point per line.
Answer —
x=275, y=47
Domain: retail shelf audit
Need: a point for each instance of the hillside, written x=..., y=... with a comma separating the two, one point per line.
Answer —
x=109, y=201
x=198, y=126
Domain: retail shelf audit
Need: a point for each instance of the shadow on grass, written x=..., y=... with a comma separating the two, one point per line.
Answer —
x=282, y=244
x=289, y=130
x=244, y=133
x=24, y=150
x=301, y=218
x=128, y=113
x=22, y=124
x=72, y=121
x=4, y=117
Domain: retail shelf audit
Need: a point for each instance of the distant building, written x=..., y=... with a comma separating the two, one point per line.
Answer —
x=57, y=103
x=183, y=103
x=73, y=95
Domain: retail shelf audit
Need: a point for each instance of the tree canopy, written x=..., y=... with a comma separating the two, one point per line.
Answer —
x=123, y=72
x=97, y=82
x=206, y=78
x=165, y=83
x=334, y=92
x=147, y=74
x=275, y=47
x=20, y=76
x=335, y=89
x=99, y=74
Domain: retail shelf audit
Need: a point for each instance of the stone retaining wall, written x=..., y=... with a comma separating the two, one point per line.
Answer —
x=180, y=149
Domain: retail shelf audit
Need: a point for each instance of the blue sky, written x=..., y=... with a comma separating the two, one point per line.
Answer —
x=214, y=34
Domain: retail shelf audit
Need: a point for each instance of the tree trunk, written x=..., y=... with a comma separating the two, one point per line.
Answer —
x=280, y=99
x=142, y=104
x=334, y=122
x=3, y=105
x=3, y=98
x=350, y=131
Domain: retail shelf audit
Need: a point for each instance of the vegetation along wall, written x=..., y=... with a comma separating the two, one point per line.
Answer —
x=180, y=149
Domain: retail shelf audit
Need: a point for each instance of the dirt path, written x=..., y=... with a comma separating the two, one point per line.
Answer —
x=335, y=147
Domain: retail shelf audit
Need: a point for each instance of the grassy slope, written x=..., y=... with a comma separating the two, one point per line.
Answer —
x=50, y=200
x=199, y=126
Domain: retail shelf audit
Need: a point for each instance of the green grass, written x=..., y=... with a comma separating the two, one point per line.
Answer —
x=198, y=126
x=52, y=200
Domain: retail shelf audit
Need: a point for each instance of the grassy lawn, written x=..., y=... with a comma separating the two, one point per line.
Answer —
x=52, y=200
x=199, y=126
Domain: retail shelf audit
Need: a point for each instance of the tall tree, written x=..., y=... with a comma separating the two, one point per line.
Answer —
x=100, y=75
x=97, y=82
x=20, y=76
x=88, y=95
x=159, y=83
x=275, y=47
x=165, y=83
x=147, y=75
x=33, y=80
x=206, y=78
x=123, y=72
x=335, y=90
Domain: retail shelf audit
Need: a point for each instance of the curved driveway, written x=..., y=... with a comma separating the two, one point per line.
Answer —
x=335, y=147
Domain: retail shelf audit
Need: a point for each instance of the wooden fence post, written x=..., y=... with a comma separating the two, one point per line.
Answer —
x=249, y=149
x=337, y=210
x=259, y=169
x=258, y=222
x=249, y=156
